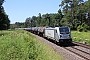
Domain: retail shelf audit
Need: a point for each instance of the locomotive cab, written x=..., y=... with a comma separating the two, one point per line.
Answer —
x=64, y=34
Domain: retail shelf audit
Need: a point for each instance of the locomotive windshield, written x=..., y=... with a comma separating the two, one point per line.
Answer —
x=64, y=30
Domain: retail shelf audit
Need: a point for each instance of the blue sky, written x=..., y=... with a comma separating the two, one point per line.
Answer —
x=19, y=10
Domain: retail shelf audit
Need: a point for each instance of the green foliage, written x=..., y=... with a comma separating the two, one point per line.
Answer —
x=75, y=12
x=80, y=28
x=81, y=36
x=64, y=22
x=84, y=27
x=4, y=20
x=21, y=45
x=19, y=25
x=28, y=22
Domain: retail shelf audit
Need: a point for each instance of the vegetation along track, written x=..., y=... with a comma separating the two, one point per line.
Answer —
x=80, y=49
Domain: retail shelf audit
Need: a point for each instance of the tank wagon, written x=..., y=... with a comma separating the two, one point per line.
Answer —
x=41, y=31
x=27, y=29
x=36, y=30
x=32, y=29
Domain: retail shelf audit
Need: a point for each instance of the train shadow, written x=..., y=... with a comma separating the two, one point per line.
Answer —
x=68, y=45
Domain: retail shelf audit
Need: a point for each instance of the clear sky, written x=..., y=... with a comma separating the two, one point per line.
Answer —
x=19, y=10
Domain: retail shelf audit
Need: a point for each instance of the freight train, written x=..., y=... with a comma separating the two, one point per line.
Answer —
x=60, y=35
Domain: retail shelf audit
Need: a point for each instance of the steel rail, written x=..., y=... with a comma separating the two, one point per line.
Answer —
x=77, y=53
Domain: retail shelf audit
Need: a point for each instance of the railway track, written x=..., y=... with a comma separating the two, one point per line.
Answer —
x=81, y=44
x=80, y=49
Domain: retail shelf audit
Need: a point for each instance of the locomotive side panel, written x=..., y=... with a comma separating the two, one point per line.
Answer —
x=50, y=33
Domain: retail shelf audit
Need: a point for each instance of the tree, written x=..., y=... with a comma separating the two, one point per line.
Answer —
x=74, y=12
x=39, y=19
x=34, y=21
x=87, y=9
x=58, y=17
x=28, y=22
x=4, y=20
x=19, y=25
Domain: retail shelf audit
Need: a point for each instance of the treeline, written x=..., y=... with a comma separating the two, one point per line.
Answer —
x=4, y=20
x=73, y=13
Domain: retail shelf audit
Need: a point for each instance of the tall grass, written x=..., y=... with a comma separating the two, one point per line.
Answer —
x=81, y=36
x=21, y=45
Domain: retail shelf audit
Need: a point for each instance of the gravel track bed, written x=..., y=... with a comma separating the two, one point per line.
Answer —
x=60, y=50
x=78, y=52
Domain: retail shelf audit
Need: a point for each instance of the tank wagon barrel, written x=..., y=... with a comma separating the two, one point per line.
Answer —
x=36, y=30
x=41, y=31
x=32, y=29
x=28, y=29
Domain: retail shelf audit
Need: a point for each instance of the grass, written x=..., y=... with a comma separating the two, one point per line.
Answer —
x=21, y=45
x=81, y=36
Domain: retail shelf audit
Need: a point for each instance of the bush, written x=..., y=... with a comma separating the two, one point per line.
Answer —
x=84, y=27
x=21, y=45
x=80, y=28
